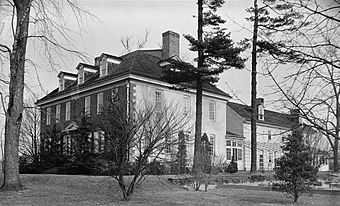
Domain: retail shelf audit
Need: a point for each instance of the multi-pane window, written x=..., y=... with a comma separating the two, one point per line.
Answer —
x=212, y=145
x=98, y=141
x=48, y=116
x=228, y=153
x=68, y=111
x=186, y=101
x=212, y=110
x=234, y=149
x=261, y=113
x=81, y=76
x=158, y=100
x=67, y=144
x=269, y=135
x=57, y=113
x=100, y=99
x=87, y=105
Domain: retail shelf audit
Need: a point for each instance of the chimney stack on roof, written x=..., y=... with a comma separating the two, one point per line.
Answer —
x=170, y=44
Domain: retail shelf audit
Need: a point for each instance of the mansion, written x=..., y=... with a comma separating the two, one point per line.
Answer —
x=137, y=76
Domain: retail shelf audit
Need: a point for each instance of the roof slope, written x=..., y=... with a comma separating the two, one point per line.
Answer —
x=138, y=63
x=270, y=117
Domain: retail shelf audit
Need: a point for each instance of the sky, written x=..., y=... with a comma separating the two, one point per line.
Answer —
x=116, y=19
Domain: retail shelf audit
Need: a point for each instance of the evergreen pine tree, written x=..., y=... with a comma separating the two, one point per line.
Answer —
x=216, y=53
x=294, y=169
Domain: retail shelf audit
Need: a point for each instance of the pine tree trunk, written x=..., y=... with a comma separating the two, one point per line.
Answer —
x=16, y=92
x=253, y=93
x=198, y=123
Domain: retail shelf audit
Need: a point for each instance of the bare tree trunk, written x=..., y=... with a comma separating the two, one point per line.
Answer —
x=253, y=93
x=198, y=123
x=16, y=92
x=336, y=141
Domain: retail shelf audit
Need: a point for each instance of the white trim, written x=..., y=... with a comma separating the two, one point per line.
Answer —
x=87, y=69
x=112, y=60
x=70, y=77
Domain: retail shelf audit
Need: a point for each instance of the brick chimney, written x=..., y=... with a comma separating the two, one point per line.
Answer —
x=170, y=44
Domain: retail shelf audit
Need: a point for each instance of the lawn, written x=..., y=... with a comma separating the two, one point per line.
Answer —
x=92, y=190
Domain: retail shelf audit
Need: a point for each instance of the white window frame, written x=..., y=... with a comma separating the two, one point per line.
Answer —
x=87, y=108
x=48, y=115
x=261, y=113
x=212, y=144
x=186, y=102
x=100, y=100
x=269, y=135
x=212, y=110
x=236, y=149
x=158, y=100
x=57, y=113
x=68, y=111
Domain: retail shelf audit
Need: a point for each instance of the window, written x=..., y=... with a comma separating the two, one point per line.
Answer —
x=67, y=144
x=261, y=113
x=186, y=108
x=239, y=154
x=99, y=102
x=269, y=135
x=57, y=113
x=234, y=157
x=235, y=148
x=48, y=116
x=261, y=164
x=228, y=153
x=98, y=141
x=158, y=100
x=81, y=76
x=212, y=145
x=168, y=144
x=270, y=157
x=212, y=110
x=61, y=84
x=103, y=67
x=88, y=105
x=68, y=111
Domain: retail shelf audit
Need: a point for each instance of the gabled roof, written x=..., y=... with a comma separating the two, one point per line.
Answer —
x=138, y=63
x=270, y=117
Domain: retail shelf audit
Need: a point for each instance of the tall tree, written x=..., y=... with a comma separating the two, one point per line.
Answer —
x=20, y=22
x=216, y=53
x=309, y=48
x=268, y=18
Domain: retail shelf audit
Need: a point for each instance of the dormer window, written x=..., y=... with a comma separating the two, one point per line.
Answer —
x=81, y=76
x=261, y=112
x=65, y=79
x=105, y=60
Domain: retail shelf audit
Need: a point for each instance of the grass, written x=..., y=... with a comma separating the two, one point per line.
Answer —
x=91, y=190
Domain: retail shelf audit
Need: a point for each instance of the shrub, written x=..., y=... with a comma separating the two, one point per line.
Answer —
x=156, y=168
x=257, y=178
x=232, y=167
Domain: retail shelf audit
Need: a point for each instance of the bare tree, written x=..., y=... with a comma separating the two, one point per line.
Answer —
x=135, y=140
x=129, y=45
x=25, y=14
x=310, y=79
x=29, y=143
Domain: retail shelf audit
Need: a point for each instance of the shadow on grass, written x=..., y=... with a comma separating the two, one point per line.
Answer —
x=270, y=200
